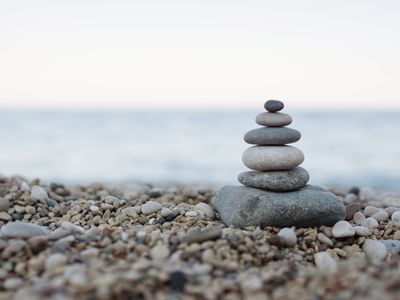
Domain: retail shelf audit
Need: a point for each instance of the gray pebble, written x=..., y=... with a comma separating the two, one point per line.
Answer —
x=22, y=230
x=272, y=136
x=274, y=105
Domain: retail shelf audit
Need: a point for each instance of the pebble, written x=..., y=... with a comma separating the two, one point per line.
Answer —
x=197, y=236
x=325, y=262
x=343, y=229
x=39, y=193
x=272, y=136
x=351, y=209
x=374, y=250
x=370, y=223
x=273, y=119
x=178, y=281
x=380, y=216
x=24, y=187
x=159, y=252
x=272, y=158
x=5, y=216
x=130, y=212
x=206, y=209
x=367, y=194
x=391, y=210
x=371, y=210
x=274, y=105
x=358, y=218
x=280, y=181
x=396, y=218
x=362, y=231
x=396, y=235
x=165, y=211
x=12, y=283
x=191, y=213
x=392, y=201
x=350, y=198
x=4, y=204
x=150, y=207
x=22, y=230
x=324, y=239
x=288, y=236
x=392, y=246
x=72, y=227
x=55, y=261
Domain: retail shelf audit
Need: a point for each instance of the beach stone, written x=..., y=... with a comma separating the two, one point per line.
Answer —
x=396, y=235
x=274, y=105
x=288, y=236
x=391, y=210
x=4, y=204
x=392, y=201
x=205, y=209
x=198, y=236
x=272, y=158
x=130, y=212
x=159, y=252
x=358, y=218
x=370, y=223
x=367, y=194
x=21, y=230
x=55, y=261
x=243, y=206
x=325, y=262
x=273, y=119
x=165, y=212
x=351, y=209
x=350, y=198
x=151, y=207
x=5, y=216
x=396, y=218
x=280, y=181
x=39, y=193
x=374, y=250
x=391, y=245
x=272, y=136
x=343, y=229
x=324, y=239
x=380, y=216
x=371, y=210
x=362, y=231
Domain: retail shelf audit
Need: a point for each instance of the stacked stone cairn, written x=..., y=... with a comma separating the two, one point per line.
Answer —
x=276, y=193
x=275, y=163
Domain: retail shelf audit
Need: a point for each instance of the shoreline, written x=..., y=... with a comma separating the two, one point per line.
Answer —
x=166, y=242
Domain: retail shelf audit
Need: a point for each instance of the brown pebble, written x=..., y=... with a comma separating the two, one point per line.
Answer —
x=351, y=209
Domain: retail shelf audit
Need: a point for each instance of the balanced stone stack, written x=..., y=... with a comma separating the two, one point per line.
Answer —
x=276, y=193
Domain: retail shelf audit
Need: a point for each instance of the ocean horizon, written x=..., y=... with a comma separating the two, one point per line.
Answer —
x=192, y=146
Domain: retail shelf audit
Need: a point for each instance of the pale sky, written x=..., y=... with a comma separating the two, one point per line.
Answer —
x=341, y=53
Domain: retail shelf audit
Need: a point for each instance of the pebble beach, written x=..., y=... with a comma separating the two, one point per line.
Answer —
x=146, y=242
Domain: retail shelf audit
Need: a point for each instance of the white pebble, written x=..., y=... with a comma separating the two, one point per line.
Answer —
x=165, y=211
x=380, y=216
x=350, y=198
x=12, y=283
x=358, y=218
x=374, y=250
x=367, y=193
x=370, y=210
x=325, y=262
x=391, y=210
x=24, y=186
x=396, y=218
x=288, y=236
x=362, y=231
x=343, y=229
x=370, y=223
x=159, y=252
x=130, y=212
x=151, y=207
x=191, y=213
x=55, y=261
x=94, y=209
x=72, y=227
x=39, y=193
x=206, y=209
x=324, y=239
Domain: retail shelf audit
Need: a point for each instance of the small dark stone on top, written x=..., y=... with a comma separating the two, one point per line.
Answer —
x=274, y=105
x=355, y=190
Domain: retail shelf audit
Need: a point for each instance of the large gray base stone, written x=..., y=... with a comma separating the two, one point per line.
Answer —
x=243, y=206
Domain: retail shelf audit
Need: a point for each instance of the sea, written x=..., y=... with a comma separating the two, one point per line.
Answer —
x=197, y=147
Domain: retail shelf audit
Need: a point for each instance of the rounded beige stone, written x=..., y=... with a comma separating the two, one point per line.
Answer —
x=273, y=119
x=271, y=158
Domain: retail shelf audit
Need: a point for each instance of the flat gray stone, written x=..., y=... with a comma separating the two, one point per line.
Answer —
x=273, y=119
x=20, y=230
x=279, y=181
x=243, y=206
x=272, y=158
x=272, y=136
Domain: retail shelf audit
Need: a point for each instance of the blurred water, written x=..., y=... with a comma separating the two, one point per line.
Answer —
x=195, y=147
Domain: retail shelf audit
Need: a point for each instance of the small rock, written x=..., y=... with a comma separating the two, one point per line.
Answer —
x=392, y=246
x=21, y=230
x=274, y=105
x=72, y=227
x=178, y=281
x=5, y=216
x=90, y=253
x=343, y=229
x=358, y=218
x=351, y=209
x=362, y=231
x=367, y=194
x=24, y=186
x=197, y=236
x=396, y=218
x=12, y=283
x=55, y=261
x=396, y=235
x=150, y=207
x=191, y=213
x=324, y=239
x=370, y=223
x=206, y=209
x=350, y=198
x=130, y=211
x=371, y=210
x=380, y=216
x=374, y=250
x=391, y=201
x=165, y=211
x=39, y=193
x=251, y=284
x=159, y=252
x=391, y=210
x=325, y=262
x=154, y=193
x=4, y=204
x=94, y=209
x=288, y=236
